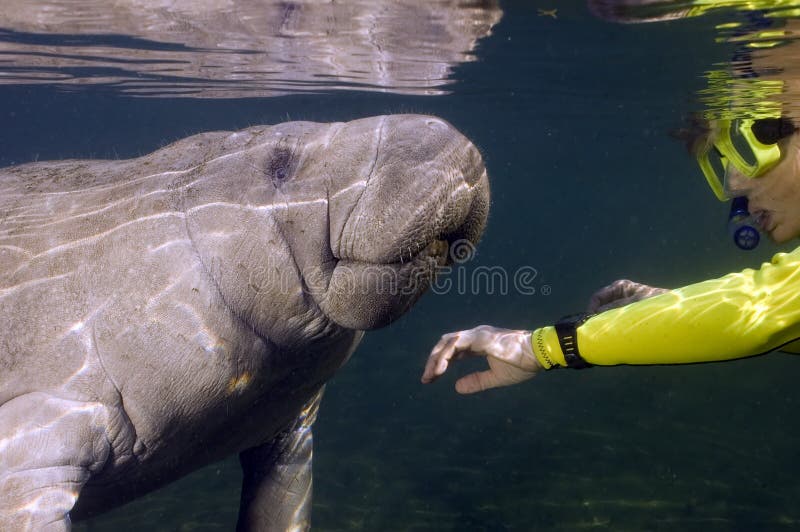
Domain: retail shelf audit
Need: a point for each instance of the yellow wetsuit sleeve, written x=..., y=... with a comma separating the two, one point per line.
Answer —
x=738, y=315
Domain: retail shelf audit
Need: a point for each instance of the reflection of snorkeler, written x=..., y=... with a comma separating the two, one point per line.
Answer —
x=752, y=160
x=636, y=11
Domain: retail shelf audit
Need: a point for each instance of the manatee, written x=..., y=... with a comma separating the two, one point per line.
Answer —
x=163, y=312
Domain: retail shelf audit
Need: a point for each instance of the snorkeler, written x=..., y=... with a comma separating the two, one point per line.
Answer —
x=756, y=163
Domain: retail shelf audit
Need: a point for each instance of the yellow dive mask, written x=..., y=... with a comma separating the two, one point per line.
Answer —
x=750, y=145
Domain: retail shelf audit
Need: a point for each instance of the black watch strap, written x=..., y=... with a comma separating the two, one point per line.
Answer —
x=566, y=329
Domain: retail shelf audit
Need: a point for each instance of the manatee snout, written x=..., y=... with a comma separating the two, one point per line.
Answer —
x=424, y=193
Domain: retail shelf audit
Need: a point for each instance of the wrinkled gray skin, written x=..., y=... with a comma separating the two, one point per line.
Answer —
x=163, y=312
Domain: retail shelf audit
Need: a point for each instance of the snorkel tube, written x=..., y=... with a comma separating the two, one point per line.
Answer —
x=741, y=225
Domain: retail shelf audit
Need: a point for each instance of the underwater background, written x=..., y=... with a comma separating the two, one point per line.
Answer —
x=572, y=115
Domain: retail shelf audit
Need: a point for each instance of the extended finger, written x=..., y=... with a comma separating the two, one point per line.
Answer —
x=439, y=358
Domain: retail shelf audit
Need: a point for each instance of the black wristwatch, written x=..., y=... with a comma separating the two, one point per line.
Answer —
x=566, y=329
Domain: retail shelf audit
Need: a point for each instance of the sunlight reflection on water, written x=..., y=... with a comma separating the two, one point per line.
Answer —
x=248, y=48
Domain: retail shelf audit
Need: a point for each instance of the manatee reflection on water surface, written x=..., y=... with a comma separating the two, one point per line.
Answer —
x=242, y=48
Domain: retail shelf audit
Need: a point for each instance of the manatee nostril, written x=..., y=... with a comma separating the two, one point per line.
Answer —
x=435, y=124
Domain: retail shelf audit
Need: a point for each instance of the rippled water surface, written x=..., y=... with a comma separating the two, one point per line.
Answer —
x=571, y=111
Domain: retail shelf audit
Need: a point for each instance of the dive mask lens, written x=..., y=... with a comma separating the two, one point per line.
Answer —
x=714, y=166
x=741, y=137
x=741, y=145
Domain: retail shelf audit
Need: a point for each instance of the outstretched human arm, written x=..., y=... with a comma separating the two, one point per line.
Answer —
x=741, y=314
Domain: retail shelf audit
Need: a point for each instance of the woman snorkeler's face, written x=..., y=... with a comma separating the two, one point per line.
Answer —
x=774, y=198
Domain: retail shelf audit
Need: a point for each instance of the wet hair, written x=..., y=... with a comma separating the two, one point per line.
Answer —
x=771, y=130
x=695, y=135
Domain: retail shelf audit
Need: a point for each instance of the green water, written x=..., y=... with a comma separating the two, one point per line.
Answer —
x=572, y=116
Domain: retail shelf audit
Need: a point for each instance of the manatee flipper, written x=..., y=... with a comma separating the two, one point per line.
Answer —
x=276, y=489
x=52, y=449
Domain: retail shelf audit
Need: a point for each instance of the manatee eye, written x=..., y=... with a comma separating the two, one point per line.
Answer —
x=279, y=165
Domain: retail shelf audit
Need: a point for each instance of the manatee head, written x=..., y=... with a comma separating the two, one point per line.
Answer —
x=420, y=189
x=306, y=225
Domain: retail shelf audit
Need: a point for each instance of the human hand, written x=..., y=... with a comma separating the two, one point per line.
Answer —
x=508, y=353
x=620, y=293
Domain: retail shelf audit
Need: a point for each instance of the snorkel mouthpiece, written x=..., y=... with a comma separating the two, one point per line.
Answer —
x=741, y=225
